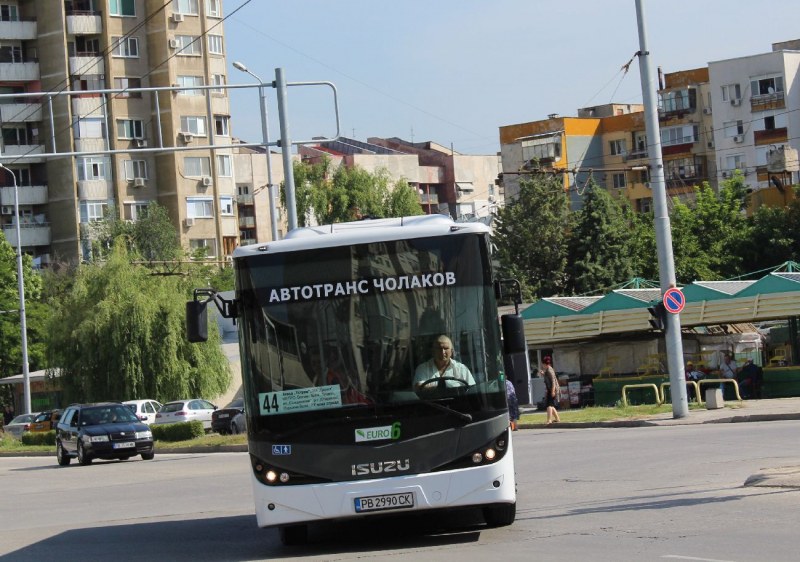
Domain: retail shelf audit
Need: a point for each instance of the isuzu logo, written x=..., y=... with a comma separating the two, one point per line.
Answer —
x=380, y=467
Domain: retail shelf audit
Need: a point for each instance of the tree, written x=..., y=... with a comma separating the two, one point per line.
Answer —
x=327, y=196
x=530, y=237
x=118, y=333
x=152, y=237
x=599, y=244
x=35, y=312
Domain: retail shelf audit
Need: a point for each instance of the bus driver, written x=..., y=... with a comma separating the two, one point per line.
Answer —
x=442, y=370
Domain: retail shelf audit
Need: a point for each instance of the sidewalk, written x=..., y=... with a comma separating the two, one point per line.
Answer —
x=773, y=409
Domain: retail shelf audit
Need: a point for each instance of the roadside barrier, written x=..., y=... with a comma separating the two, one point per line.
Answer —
x=724, y=381
x=693, y=384
x=643, y=385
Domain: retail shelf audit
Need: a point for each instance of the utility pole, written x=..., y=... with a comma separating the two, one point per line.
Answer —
x=666, y=262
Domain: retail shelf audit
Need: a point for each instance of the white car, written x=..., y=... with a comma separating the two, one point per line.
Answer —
x=186, y=410
x=19, y=425
x=145, y=410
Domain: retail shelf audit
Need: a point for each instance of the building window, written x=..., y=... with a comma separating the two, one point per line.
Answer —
x=619, y=180
x=126, y=47
x=199, y=207
x=617, y=147
x=733, y=128
x=93, y=211
x=122, y=8
x=731, y=92
x=187, y=81
x=124, y=83
x=8, y=12
x=130, y=129
x=224, y=165
x=215, y=44
x=735, y=161
x=644, y=205
x=135, y=169
x=766, y=85
x=204, y=246
x=218, y=80
x=193, y=124
x=679, y=135
x=214, y=8
x=189, y=45
x=90, y=128
x=11, y=53
x=226, y=205
x=682, y=168
x=222, y=125
x=243, y=189
x=197, y=166
x=187, y=7
x=91, y=168
x=135, y=211
x=16, y=136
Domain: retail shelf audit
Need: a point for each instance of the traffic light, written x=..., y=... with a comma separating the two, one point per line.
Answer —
x=659, y=316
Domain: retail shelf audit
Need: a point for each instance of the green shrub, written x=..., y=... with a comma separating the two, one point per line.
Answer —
x=39, y=438
x=181, y=431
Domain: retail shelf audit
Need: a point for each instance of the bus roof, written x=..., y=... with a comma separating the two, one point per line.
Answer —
x=362, y=232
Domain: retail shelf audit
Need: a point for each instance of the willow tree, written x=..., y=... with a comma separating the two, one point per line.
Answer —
x=118, y=333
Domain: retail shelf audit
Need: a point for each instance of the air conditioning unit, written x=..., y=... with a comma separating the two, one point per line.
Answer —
x=138, y=182
x=647, y=184
x=187, y=222
x=736, y=102
x=724, y=174
x=707, y=111
x=174, y=44
x=206, y=181
x=710, y=144
x=186, y=137
x=8, y=210
x=177, y=17
x=141, y=143
x=738, y=138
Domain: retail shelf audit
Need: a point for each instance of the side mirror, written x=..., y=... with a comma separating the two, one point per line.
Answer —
x=513, y=334
x=196, y=322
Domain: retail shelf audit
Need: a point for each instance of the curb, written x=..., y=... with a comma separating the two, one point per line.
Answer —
x=159, y=451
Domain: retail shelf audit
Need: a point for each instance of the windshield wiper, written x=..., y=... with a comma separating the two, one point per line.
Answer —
x=466, y=417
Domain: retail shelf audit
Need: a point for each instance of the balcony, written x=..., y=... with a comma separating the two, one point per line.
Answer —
x=636, y=155
x=20, y=112
x=84, y=24
x=87, y=107
x=770, y=136
x=429, y=198
x=91, y=145
x=764, y=102
x=25, y=153
x=87, y=63
x=244, y=199
x=20, y=30
x=32, y=234
x=247, y=222
x=19, y=71
x=28, y=195
x=247, y=241
x=94, y=189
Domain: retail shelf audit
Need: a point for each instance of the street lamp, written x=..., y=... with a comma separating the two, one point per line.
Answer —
x=26, y=377
x=265, y=139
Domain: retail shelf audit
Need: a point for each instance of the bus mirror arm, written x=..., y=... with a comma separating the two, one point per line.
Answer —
x=227, y=308
x=516, y=294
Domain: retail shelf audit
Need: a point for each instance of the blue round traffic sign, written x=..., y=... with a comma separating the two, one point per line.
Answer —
x=674, y=300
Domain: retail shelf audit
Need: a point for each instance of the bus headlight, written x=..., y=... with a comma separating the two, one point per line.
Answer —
x=477, y=458
x=272, y=476
x=490, y=454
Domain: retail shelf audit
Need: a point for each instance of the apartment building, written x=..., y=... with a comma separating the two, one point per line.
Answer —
x=86, y=45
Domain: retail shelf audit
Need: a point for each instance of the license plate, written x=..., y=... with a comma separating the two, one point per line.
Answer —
x=224, y=416
x=384, y=502
x=125, y=445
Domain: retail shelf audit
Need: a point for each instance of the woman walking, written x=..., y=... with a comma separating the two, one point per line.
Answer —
x=553, y=389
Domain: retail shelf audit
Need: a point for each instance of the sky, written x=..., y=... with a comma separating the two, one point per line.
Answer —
x=454, y=71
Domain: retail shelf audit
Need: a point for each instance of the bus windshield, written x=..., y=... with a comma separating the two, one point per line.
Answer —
x=353, y=331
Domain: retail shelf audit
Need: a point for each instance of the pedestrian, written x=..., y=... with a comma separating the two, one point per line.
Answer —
x=513, y=405
x=728, y=369
x=8, y=414
x=553, y=390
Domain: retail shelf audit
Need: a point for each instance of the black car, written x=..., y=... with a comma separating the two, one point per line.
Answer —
x=108, y=430
x=221, y=419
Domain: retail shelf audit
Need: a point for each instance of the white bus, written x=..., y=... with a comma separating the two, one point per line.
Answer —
x=333, y=322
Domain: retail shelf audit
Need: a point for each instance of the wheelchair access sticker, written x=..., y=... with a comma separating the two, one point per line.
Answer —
x=281, y=449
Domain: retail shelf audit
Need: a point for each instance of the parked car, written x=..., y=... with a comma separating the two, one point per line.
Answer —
x=45, y=421
x=106, y=430
x=19, y=425
x=221, y=419
x=239, y=423
x=186, y=410
x=145, y=410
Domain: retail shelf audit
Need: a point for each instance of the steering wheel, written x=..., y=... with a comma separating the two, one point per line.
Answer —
x=441, y=381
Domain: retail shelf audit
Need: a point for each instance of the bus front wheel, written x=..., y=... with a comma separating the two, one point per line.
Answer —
x=500, y=515
x=292, y=535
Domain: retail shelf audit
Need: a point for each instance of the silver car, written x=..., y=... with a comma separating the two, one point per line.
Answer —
x=186, y=410
x=19, y=425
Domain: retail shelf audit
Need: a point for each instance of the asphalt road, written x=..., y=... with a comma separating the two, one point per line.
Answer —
x=654, y=493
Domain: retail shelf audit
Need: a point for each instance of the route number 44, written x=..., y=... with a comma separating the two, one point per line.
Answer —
x=271, y=404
